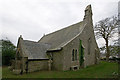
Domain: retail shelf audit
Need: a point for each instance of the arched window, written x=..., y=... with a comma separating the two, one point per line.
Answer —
x=73, y=55
x=76, y=54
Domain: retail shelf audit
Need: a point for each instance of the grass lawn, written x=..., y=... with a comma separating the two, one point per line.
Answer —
x=102, y=70
x=0, y=72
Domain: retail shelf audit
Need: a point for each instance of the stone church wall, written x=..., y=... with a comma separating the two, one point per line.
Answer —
x=89, y=59
x=68, y=54
x=86, y=34
x=37, y=65
x=57, y=61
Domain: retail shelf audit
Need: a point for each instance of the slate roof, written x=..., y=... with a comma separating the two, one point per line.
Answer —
x=59, y=38
x=35, y=50
x=51, y=42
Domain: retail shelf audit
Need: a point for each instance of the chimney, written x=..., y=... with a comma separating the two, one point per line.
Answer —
x=88, y=14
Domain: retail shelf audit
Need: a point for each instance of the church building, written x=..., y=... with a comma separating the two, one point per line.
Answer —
x=71, y=48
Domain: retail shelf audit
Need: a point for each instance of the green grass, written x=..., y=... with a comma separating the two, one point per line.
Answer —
x=102, y=70
x=0, y=72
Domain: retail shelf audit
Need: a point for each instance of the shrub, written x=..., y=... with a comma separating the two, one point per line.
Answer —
x=8, y=52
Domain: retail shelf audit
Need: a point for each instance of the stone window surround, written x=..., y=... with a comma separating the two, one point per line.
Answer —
x=74, y=55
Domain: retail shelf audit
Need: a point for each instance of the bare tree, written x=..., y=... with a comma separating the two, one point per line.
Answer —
x=105, y=29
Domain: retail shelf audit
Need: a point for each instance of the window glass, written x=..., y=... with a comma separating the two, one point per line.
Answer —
x=73, y=55
x=76, y=54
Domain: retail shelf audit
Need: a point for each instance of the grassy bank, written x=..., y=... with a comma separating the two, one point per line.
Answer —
x=102, y=70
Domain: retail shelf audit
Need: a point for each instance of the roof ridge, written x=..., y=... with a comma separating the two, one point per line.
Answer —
x=30, y=41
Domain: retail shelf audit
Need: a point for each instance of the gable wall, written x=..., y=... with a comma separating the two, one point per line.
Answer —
x=74, y=44
x=86, y=34
x=18, y=63
x=23, y=60
x=67, y=51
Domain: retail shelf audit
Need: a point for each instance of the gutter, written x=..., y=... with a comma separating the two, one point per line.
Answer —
x=55, y=49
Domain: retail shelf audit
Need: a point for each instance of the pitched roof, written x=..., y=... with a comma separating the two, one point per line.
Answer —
x=35, y=50
x=61, y=37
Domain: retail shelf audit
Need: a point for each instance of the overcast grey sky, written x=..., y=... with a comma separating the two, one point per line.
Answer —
x=34, y=18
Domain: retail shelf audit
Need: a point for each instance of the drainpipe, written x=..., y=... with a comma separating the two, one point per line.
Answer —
x=50, y=62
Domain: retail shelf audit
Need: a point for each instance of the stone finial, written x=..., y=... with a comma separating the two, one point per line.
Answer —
x=21, y=36
x=88, y=7
x=88, y=12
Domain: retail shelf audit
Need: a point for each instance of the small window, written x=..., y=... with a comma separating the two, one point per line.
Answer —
x=73, y=55
x=89, y=43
